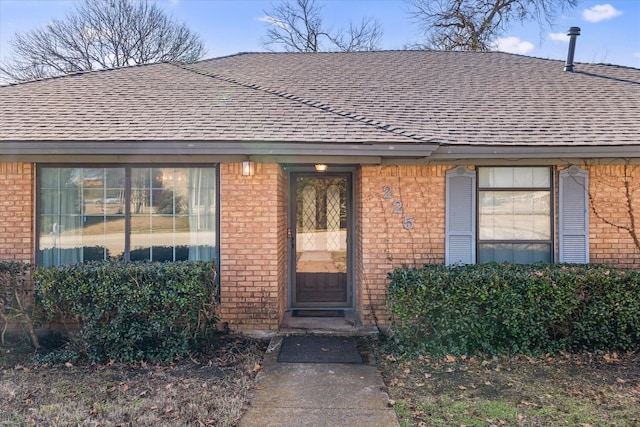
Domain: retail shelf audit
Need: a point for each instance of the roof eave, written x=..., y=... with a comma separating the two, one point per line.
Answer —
x=227, y=148
x=449, y=152
x=431, y=152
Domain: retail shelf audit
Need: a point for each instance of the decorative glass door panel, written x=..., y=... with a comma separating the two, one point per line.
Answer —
x=321, y=241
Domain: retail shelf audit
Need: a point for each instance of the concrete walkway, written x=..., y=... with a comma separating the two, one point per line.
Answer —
x=317, y=394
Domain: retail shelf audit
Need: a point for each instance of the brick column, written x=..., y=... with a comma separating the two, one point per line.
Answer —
x=382, y=241
x=253, y=247
x=16, y=212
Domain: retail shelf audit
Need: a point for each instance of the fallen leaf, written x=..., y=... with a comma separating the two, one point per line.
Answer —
x=69, y=365
x=461, y=387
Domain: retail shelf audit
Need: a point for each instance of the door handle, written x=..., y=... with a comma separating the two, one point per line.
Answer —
x=291, y=238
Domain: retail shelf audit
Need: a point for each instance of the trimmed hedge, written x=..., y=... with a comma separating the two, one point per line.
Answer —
x=132, y=311
x=512, y=308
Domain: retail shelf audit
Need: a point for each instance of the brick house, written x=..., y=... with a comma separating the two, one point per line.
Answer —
x=308, y=177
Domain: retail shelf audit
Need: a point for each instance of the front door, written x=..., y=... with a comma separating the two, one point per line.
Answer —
x=320, y=255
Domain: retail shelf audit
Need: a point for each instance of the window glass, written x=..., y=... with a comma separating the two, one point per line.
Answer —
x=519, y=253
x=103, y=192
x=514, y=177
x=514, y=215
x=514, y=225
x=84, y=212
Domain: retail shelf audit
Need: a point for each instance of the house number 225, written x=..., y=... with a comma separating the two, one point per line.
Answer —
x=407, y=221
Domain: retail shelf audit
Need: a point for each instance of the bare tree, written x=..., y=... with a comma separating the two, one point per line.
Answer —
x=297, y=26
x=101, y=34
x=476, y=24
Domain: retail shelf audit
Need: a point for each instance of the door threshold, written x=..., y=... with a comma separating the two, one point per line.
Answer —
x=317, y=313
x=350, y=324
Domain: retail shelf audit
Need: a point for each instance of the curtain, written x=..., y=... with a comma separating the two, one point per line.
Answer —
x=202, y=214
x=61, y=217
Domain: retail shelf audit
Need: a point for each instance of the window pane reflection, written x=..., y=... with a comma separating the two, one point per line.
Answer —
x=82, y=214
x=514, y=215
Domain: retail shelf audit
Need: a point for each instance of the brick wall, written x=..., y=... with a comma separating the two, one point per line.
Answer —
x=16, y=211
x=615, y=195
x=252, y=246
x=380, y=235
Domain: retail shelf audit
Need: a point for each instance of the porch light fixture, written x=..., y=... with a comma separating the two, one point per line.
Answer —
x=321, y=167
x=248, y=168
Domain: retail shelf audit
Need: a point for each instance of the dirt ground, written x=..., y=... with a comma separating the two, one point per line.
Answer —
x=208, y=390
x=568, y=390
x=212, y=389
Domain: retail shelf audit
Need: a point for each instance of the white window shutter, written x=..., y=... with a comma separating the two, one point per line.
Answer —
x=460, y=220
x=573, y=217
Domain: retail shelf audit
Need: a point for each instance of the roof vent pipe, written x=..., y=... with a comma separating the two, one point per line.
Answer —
x=573, y=33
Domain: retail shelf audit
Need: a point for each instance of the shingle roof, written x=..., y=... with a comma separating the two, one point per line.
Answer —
x=386, y=97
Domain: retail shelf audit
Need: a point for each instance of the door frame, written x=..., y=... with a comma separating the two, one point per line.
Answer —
x=309, y=171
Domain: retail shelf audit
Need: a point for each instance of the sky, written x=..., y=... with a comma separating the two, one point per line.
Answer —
x=609, y=28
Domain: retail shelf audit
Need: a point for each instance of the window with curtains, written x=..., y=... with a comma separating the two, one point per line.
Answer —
x=126, y=212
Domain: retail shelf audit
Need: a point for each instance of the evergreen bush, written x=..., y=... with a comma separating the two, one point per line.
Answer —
x=510, y=308
x=131, y=312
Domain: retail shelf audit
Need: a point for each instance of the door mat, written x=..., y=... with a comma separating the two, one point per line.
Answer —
x=317, y=313
x=319, y=349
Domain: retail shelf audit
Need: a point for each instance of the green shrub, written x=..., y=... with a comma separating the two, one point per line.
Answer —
x=510, y=308
x=132, y=311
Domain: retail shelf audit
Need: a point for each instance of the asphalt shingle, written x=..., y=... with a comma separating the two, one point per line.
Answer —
x=388, y=97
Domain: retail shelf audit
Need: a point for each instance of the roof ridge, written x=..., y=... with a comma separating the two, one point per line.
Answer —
x=79, y=73
x=386, y=127
x=451, y=52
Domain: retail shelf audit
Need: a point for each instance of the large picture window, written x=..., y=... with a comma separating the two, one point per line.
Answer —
x=129, y=212
x=514, y=214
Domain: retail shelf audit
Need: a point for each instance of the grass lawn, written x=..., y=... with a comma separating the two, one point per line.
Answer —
x=570, y=390
x=209, y=390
